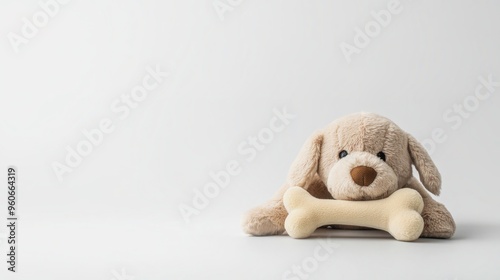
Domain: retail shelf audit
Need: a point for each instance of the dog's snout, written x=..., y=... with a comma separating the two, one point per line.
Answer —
x=363, y=175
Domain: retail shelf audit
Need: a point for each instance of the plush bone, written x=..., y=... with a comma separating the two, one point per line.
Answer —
x=398, y=214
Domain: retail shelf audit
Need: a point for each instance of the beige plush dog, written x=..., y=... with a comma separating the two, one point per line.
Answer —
x=358, y=157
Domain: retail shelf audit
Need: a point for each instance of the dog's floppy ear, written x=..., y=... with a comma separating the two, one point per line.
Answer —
x=305, y=165
x=429, y=174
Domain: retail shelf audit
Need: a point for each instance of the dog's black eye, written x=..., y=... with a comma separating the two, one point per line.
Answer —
x=342, y=154
x=381, y=155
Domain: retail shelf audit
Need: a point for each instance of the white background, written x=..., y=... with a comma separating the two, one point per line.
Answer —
x=116, y=215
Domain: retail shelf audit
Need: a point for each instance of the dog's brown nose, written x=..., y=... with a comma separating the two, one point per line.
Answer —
x=363, y=175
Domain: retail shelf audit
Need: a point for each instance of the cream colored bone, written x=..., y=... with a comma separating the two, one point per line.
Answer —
x=398, y=214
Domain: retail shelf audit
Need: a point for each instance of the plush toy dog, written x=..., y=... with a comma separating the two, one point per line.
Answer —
x=359, y=157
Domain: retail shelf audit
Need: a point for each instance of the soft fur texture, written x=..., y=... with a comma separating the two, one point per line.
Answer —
x=319, y=170
x=398, y=214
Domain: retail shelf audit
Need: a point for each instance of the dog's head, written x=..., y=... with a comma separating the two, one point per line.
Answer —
x=363, y=157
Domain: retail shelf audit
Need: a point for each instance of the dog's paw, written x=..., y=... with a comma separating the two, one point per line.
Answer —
x=265, y=221
x=438, y=222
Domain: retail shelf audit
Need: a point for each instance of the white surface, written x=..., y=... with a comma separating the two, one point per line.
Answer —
x=118, y=209
x=153, y=249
